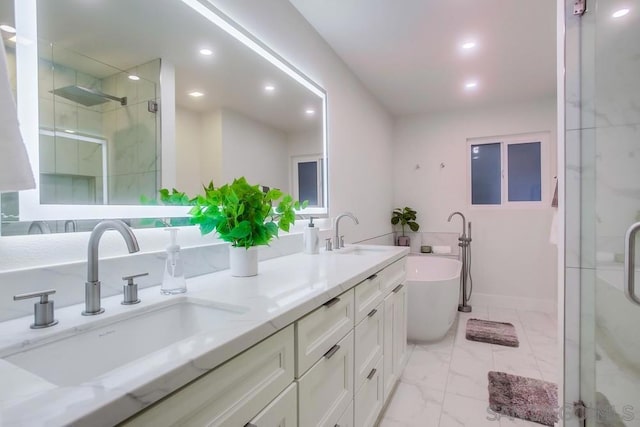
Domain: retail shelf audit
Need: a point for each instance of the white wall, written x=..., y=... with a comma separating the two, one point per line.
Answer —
x=512, y=255
x=253, y=150
x=358, y=129
x=188, y=151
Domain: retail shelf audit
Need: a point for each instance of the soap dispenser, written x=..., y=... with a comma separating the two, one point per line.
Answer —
x=173, y=281
x=311, y=238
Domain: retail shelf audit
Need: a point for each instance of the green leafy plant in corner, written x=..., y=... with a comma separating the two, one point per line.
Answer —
x=405, y=216
x=243, y=214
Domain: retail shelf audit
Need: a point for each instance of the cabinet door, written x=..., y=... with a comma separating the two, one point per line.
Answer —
x=368, y=346
x=392, y=275
x=388, y=371
x=326, y=390
x=282, y=412
x=232, y=394
x=346, y=420
x=399, y=329
x=370, y=398
x=321, y=329
x=368, y=296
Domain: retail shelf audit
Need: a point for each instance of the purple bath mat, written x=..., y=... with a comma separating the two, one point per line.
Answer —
x=525, y=398
x=492, y=332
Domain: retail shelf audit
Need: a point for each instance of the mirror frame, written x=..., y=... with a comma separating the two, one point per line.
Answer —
x=28, y=105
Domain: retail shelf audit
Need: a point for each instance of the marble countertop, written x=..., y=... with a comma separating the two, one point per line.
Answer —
x=285, y=289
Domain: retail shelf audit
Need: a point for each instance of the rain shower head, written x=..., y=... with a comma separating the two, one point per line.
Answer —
x=87, y=97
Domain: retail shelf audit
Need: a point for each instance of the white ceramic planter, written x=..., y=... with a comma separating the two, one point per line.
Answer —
x=243, y=262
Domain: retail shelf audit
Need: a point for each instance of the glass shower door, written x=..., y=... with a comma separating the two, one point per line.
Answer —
x=608, y=124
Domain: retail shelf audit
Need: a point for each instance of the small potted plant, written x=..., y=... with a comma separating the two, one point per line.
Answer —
x=245, y=216
x=404, y=216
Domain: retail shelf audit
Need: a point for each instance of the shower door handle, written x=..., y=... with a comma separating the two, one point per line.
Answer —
x=629, y=263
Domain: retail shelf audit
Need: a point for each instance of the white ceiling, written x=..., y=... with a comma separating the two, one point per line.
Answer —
x=406, y=52
x=124, y=34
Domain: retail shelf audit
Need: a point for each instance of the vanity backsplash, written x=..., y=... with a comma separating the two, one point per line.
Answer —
x=68, y=279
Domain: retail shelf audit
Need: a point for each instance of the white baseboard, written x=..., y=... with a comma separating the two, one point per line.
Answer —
x=503, y=301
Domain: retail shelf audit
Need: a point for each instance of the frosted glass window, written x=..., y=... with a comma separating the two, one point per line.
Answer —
x=524, y=175
x=486, y=169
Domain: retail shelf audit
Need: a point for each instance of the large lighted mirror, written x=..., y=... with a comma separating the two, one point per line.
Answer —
x=118, y=99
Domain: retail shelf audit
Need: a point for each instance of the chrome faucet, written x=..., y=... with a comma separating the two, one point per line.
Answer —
x=92, y=286
x=338, y=243
x=464, y=224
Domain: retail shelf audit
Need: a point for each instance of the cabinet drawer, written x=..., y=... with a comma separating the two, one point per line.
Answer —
x=231, y=394
x=368, y=296
x=392, y=275
x=370, y=399
x=326, y=390
x=282, y=412
x=321, y=329
x=368, y=344
x=346, y=420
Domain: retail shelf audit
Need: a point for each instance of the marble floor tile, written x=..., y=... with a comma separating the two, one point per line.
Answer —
x=427, y=368
x=460, y=411
x=445, y=383
x=468, y=371
x=413, y=406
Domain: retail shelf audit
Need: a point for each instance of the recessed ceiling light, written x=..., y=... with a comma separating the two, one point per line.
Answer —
x=468, y=44
x=471, y=85
x=269, y=88
x=620, y=13
x=134, y=77
x=196, y=94
x=7, y=28
x=206, y=52
x=309, y=111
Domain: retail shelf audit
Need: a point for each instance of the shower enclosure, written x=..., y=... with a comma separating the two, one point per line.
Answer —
x=602, y=202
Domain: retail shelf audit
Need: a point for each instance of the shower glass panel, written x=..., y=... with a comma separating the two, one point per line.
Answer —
x=603, y=191
x=98, y=135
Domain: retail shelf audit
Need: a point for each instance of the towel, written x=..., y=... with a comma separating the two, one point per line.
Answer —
x=441, y=250
x=15, y=170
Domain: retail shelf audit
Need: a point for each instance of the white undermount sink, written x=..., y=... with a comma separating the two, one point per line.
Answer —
x=89, y=354
x=359, y=250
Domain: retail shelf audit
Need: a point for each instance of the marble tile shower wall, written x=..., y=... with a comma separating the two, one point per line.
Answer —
x=602, y=179
x=134, y=162
x=68, y=279
x=131, y=131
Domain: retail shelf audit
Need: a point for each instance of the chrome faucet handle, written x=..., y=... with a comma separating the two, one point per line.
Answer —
x=341, y=242
x=130, y=290
x=328, y=246
x=42, y=311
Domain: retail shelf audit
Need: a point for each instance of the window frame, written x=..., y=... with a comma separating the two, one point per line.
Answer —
x=505, y=141
x=307, y=158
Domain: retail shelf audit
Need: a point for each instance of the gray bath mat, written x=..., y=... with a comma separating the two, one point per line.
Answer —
x=524, y=398
x=492, y=332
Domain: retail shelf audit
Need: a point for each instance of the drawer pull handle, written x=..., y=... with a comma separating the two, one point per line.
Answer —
x=397, y=288
x=332, y=301
x=329, y=354
x=372, y=373
x=373, y=276
x=372, y=312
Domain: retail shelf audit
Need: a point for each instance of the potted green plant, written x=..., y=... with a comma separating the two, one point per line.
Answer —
x=245, y=216
x=405, y=217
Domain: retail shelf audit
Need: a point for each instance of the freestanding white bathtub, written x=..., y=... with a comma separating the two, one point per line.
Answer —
x=434, y=289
